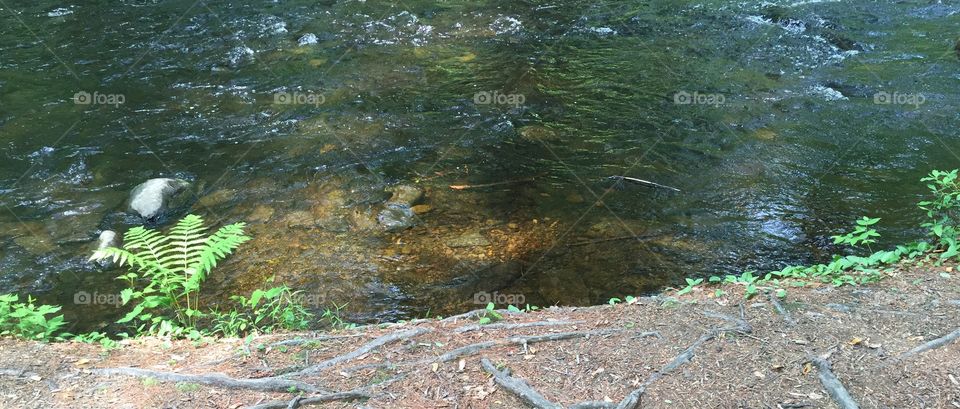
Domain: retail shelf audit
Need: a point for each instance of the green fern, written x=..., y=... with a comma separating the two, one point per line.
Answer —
x=167, y=270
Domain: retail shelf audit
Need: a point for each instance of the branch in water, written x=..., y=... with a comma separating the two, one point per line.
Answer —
x=646, y=183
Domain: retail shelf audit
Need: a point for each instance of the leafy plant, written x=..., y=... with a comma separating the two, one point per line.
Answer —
x=97, y=338
x=861, y=234
x=28, y=320
x=167, y=271
x=942, y=220
x=335, y=317
x=690, y=284
x=490, y=315
x=264, y=311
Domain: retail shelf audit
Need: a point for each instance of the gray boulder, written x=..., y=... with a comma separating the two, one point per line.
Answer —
x=155, y=197
x=108, y=238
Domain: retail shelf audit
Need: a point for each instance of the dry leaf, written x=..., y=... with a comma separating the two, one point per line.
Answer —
x=807, y=368
x=855, y=341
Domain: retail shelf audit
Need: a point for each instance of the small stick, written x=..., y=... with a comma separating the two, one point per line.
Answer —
x=505, y=182
x=646, y=183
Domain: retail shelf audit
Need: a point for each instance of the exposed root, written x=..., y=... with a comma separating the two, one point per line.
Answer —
x=214, y=379
x=524, y=341
x=315, y=400
x=18, y=373
x=832, y=384
x=508, y=326
x=301, y=341
x=521, y=389
x=366, y=348
x=518, y=387
x=655, y=334
x=787, y=317
x=932, y=344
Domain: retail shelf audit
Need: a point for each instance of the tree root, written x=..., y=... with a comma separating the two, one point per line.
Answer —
x=366, y=348
x=301, y=341
x=215, y=379
x=273, y=383
x=933, y=344
x=518, y=387
x=505, y=325
x=521, y=389
x=832, y=384
x=314, y=400
x=787, y=317
x=524, y=341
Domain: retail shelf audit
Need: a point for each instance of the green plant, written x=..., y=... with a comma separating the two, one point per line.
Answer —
x=265, y=311
x=490, y=315
x=690, y=284
x=96, y=338
x=861, y=234
x=28, y=320
x=167, y=271
x=335, y=317
x=942, y=220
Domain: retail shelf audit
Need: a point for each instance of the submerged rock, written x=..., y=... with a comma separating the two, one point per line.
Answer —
x=395, y=217
x=307, y=39
x=398, y=212
x=153, y=198
x=405, y=195
x=470, y=239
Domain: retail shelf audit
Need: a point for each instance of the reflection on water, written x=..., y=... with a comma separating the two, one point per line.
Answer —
x=779, y=123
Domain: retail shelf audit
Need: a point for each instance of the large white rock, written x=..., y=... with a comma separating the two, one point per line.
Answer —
x=151, y=198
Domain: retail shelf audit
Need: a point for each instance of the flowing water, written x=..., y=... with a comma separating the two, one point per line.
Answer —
x=779, y=123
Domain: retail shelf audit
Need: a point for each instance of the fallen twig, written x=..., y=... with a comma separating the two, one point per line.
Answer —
x=618, y=238
x=646, y=183
x=505, y=182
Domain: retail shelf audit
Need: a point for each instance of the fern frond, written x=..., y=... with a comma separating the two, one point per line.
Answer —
x=216, y=247
x=122, y=256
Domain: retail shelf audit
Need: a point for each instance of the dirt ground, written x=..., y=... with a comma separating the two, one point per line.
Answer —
x=693, y=351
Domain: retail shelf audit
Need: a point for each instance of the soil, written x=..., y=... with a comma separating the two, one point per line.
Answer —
x=758, y=356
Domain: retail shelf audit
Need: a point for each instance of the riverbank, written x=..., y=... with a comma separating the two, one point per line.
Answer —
x=691, y=351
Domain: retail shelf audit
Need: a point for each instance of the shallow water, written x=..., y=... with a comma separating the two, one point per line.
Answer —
x=802, y=117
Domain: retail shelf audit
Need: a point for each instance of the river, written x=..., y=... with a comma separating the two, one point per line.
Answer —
x=779, y=123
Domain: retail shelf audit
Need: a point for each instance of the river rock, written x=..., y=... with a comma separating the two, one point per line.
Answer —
x=395, y=217
x=155, y=197
x=108, y=238
x=405, y=195
x=307, y=39
x=470, y=239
